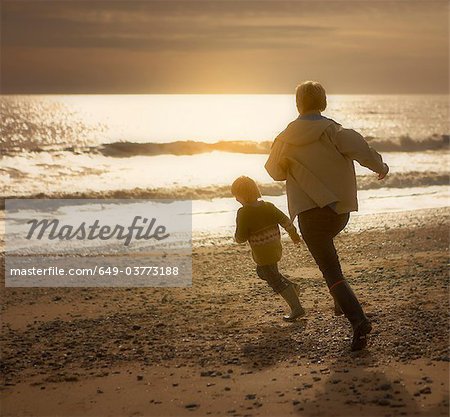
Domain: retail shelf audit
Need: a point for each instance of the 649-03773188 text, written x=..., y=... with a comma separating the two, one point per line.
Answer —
x=100, y=270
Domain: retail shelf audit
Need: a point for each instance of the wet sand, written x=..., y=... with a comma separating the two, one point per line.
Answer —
x=221, y=348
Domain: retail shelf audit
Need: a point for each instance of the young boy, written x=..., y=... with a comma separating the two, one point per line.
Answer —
x=257, y=222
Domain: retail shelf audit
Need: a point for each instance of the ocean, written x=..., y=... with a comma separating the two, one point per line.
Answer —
x=193, y=146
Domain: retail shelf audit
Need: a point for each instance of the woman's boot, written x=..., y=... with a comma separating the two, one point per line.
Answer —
x=349, y=304
x=290, y=294
x=337, y=309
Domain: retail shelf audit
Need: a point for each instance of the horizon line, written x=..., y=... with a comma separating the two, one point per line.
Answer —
x=215, y=94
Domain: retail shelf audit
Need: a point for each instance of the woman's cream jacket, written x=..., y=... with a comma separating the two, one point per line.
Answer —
x=315, y=157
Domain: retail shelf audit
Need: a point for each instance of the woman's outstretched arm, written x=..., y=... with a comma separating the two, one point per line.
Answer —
x=354, y=146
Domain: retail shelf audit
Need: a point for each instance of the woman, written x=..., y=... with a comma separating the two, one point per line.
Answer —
x=315, y=155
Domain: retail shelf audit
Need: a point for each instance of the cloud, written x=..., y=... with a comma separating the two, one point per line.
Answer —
x=153, y=26
x=234, y=46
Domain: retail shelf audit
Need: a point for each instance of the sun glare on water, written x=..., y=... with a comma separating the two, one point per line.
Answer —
x=205, y=117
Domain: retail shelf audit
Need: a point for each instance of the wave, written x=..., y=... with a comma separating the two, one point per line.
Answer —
x=126, y=149
x=403, y=180
x=129, y=149
x=365, y=182
x=407, y=144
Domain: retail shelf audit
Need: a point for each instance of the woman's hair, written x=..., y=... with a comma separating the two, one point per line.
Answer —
x=310, y=96
x=245, y=189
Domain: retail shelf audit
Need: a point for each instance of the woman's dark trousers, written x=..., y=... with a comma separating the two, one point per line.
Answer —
x=318, y=227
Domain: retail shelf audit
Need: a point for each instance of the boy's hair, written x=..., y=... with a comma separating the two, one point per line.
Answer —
x=310, y=96
x=246, y=189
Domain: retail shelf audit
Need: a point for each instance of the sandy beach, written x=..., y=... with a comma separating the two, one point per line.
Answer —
x=136, y=137
x=221, y=347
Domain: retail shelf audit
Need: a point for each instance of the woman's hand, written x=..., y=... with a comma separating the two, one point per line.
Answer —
x=383, y=174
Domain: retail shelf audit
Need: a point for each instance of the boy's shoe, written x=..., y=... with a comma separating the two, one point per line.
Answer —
x=290, y=294
x=360, y=335
x=295, y=315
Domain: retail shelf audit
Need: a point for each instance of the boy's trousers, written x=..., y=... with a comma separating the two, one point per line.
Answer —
x=273, y=277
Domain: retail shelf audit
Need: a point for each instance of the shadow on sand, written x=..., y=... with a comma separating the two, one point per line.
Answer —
x=351, y=385
x=344, y=385
x=274, y=344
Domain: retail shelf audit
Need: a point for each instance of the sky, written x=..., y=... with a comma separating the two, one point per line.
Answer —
x=224, y=46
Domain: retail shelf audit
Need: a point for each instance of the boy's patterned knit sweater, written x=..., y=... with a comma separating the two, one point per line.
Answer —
x=259, y=225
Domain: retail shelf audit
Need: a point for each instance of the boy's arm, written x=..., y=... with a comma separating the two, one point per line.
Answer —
x=241, y=234
x=287, y=225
